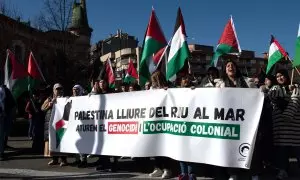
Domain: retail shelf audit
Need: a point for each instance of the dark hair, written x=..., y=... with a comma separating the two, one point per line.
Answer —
x=212, y=68
x=238, y=73
x=285, y=73
x=124, y=84
x=241, y=83
x=272, y=79
x=135, y=86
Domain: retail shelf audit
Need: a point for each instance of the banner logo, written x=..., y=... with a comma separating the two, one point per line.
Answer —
x=244, y=149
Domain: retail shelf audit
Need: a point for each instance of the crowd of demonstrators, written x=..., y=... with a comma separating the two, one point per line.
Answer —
x=278, y=128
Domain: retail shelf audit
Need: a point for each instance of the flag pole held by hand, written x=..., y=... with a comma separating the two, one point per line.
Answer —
x=294, y=67
x=292, y=78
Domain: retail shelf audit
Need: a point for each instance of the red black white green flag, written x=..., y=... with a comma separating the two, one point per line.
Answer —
x=131, y=75
x=154, y=41
x=15, y=75
x=228, y=43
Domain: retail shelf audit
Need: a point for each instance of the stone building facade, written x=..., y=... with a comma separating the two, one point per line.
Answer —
x=201, y=56
x=63, y=56
x=119, y=48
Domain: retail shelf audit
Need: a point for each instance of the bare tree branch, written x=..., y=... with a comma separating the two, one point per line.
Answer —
x=56, y=15
x=9, y=9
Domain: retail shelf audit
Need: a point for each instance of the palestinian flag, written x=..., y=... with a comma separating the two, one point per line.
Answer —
x=276, y=53
x=61, y=128
x=107, y=74
x=153, y=42
x=62, y=125
x=179, y=51
x=15, y=75
x=159, y=60
x=35, y=75
x=296, y=61
x=227, y=44
x=131, y=75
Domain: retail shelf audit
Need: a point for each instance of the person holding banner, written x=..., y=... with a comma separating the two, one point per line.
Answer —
x=161, y=164
x=231, y=77
x=186, y=168
x=103, y=85
x=134, y=87
x=81, y=159
x=285, y=98
x=210, y=78
x=123, y=87
x=264, y=134
x=103, y=162
x=147, y=85
x=95, y=89
x=47, y=108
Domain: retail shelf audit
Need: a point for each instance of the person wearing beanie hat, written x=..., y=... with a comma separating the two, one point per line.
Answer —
x=47, y=108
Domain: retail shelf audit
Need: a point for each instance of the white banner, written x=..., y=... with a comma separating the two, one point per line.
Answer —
x=206, y=125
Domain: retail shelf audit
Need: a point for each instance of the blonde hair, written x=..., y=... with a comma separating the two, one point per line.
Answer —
x=158, y=80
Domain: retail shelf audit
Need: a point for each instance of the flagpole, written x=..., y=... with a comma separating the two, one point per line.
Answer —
x=292, y=79
x=164, y=52
x=38, y=67
x=166, y=59
x=288, y=57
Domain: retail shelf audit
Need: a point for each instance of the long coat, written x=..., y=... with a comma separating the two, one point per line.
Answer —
x=47, y=109
x=286, y=116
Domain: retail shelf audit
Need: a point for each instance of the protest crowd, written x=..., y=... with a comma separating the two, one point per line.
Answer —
x=278, y=129
x=278, y=134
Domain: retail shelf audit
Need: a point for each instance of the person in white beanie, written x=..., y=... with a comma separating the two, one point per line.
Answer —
x=47, y=108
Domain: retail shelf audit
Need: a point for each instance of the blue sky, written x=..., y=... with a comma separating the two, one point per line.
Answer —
x=255, y=20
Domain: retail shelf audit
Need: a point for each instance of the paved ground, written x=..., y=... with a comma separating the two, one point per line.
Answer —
x=21, y=164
